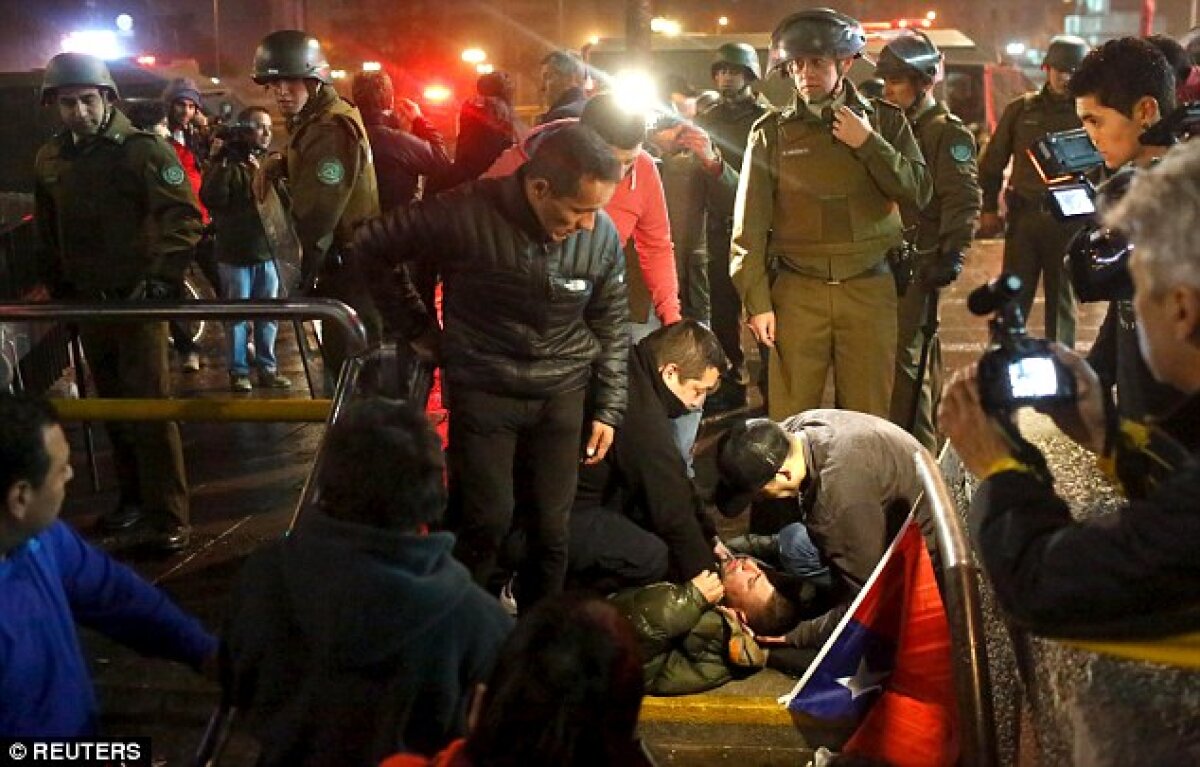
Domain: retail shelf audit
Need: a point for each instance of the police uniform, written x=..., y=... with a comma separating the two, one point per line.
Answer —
x=946, y=225
x=113, y=211
x=331, y=180
x=813, y=224
x=728, y=123
x=1035, y=241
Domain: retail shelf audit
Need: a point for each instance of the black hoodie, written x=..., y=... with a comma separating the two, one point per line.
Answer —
x=350, y=643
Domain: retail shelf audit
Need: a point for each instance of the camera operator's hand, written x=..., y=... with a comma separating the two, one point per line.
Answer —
x=697, y=142
x=1083, y=420
x=975, y=435
x=406, y=111
x=942, y=270
x=990, y=225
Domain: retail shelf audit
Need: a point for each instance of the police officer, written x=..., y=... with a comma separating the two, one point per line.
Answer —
x=728, y=123
x=329, y=171
x=116, y=221
x=817, y=213
x=1034, y=241
x=941, y=231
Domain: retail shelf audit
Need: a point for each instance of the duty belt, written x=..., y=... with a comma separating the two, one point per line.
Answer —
x=880, y=267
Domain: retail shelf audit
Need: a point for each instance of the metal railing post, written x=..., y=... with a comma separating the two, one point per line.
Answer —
x=972, y=679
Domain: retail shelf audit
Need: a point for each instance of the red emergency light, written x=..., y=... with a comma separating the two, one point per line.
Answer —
x=437, y=94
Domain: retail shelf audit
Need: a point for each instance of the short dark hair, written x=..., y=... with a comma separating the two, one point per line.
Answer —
x=372, y=91
x=1122, y=71
x=566, y=690
x=690, y=345
x=568, y=154
x=617, y=125
x=382, y=465
x=23, y=455
x=248, y=113
x=1177, y=57
x=777, y=617
x=144, y=115
x=566, y=63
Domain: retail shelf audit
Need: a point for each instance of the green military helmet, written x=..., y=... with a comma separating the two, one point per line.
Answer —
x=816, y=32
x=76, y=69
x=910, y=53
x=290, y=53
x=1065, y=53
x=740, y=55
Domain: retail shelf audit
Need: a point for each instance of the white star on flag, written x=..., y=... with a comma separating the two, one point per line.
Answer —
x=863, y=681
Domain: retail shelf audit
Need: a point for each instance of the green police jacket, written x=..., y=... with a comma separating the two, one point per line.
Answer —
x=817, y=206
x=330, y=175
x=112, y=210
x=1024, y=121
x=948, y=222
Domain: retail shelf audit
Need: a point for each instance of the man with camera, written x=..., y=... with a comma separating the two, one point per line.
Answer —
x=245, y=254
x=1136, y=566
x=816, y=215
x=1034, y=240
x=941, y=231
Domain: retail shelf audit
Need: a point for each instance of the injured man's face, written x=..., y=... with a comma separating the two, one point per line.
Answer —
x=747, y=588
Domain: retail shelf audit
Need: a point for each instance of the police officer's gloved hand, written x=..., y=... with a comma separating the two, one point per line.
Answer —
x=943, y=270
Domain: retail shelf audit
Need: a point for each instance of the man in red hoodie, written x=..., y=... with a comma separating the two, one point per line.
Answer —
x=187, y=133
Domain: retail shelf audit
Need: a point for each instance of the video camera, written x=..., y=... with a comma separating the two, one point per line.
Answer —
x=1064, y=159
x=1016, y=371
x=239, y=141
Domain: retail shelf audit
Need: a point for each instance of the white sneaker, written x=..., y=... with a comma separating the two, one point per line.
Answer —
x=191, y=362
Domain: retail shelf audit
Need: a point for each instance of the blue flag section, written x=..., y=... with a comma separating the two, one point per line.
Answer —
x=887, y=666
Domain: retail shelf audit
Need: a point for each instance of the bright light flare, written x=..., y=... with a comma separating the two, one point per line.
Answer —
x=125, y=22
x=101, y=43
x=663, y=26
x=1015, y=49
x=437, y=94
x=636, y=92
x=723, y=21
x=931, y=16
x=474, y=56
x=147, y=61
x=372, y=66
x=484, y=69
x=338, y=74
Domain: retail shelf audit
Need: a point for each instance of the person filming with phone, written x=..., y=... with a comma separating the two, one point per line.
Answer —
x=1130, y=575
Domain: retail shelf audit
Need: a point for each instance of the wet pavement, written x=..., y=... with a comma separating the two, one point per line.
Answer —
x=245, y=481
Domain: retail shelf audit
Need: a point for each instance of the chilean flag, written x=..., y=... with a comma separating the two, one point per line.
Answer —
x=887, y=666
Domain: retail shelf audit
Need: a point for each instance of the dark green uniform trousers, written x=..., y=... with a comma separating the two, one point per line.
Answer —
x=130, y=361
x=850, y=325
x=1035, y=244
x=913, y=307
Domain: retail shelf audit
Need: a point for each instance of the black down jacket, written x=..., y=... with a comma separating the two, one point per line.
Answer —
x=525, y=316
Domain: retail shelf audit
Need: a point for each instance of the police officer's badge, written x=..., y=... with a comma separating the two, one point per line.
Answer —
x=330, y=171
x=960, y=152
x=173, y=175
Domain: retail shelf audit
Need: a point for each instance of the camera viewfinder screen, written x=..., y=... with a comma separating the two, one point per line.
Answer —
x=1074, y=201
x=1032, y=377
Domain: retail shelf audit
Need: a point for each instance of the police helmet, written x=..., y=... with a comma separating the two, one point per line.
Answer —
x=1065, y=53
x=739, y=55
x=76, y=69
x=290, y=53
x=816, y=32
x=911, y=53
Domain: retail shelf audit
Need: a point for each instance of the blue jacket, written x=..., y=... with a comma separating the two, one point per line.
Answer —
x=46, y=585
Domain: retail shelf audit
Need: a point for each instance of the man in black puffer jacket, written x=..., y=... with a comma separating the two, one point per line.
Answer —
x=535, y=311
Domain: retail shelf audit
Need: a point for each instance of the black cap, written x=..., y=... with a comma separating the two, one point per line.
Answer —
x=748, y=457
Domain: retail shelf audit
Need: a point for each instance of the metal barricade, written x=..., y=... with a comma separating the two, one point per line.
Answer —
x=972, y=679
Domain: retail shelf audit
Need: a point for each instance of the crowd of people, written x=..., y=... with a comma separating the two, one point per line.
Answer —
x=592, y=278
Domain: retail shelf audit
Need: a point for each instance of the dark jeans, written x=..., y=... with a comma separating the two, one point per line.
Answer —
x=487, y=431
x=609, y=551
